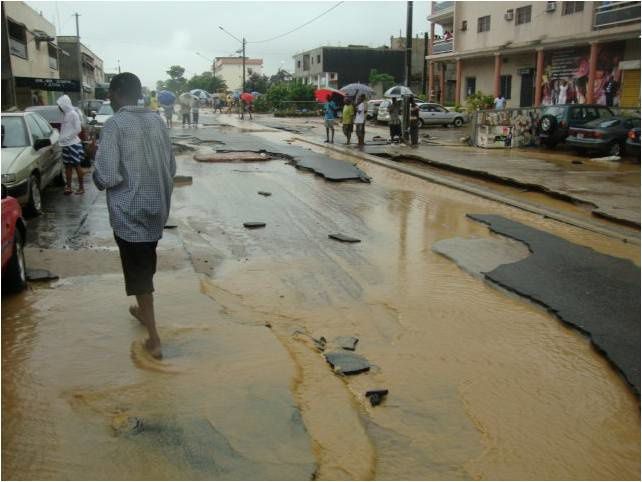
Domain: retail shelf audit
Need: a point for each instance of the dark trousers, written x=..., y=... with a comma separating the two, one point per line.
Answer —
x=414, y=132
x=186, y=119
x=361, y=132
x=395, y=130
x=194, y=117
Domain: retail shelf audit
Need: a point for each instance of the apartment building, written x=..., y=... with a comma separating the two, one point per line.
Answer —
x=230, y=69
x=538, y=53
x=30, y=58
x=93, y=74
x=338, y=66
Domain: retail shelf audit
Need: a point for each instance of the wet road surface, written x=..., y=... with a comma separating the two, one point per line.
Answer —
x=482, y=385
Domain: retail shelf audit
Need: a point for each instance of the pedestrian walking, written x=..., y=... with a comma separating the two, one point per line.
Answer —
x=135, y=164
x=394, y=124
x=347, y=119
x=360, y=120
x=72, y=149
x=169, y=114
x=153, y=101
x=185, y=110
x=609, y=91
x=195, y=111
x=414, y=122
x=329, y=115
x=500, y=102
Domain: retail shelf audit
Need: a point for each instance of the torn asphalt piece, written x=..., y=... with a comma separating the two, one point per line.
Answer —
x=265, y=193
x=594, y=292
x=343, y=238
x=41, y=275
x=347, y=363
x=243, y=156
x=170, y=226
x=347, y=342
x=182, y=180
x=376, y=396
x=254, y=225
x=329, y=168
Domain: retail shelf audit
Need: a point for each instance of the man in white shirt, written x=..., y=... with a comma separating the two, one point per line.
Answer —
x=72, y=149
x=360, y=120
x=500, y=102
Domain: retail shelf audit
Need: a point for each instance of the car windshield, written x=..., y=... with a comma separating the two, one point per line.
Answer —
x=50, y=113
x=603, y=123
x=558, y=112
x=14, y=133
x=105, y=109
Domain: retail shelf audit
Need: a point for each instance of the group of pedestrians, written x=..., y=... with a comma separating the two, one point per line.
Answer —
x=353, y=117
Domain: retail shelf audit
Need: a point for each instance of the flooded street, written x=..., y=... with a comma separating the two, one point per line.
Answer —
x=482, y=384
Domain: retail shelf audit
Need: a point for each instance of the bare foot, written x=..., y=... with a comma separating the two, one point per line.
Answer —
x=154, y=348
x=134, y=311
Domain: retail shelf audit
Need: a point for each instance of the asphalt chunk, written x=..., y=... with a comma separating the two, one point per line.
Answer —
x=347, y=342
x=347, y=363
x=343, y=238
x=254, y=225
x=265, y=193
x=376, y=396
x=40, y=275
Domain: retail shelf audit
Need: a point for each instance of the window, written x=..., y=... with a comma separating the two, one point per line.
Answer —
x=483, y=24
x=470, y=86
x=44, y=125
x=298, y=64
x=17, y=39
x=36, y=132
x=523, y=15
x=505, y=85
x=53, y=57
x=569, y=8
x=318, y=59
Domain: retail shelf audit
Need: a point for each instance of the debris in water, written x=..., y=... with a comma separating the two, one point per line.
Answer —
x=171, y=226
x=320, y=343
x=607, y=158
x=41, y=275
x=576, y=161
x=376, y=396
x=265, y=193
x=343, y=238
x=254, y=225
x=124, y=424
x=347, y=363
x=347, y=342
x=182, y=180
x=268, y=324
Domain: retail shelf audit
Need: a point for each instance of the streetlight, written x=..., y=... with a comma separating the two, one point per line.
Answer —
x=243, y=50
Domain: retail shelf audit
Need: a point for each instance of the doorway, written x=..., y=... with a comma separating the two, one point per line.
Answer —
x=527, y=90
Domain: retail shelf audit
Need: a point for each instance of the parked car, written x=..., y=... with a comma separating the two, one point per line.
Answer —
x=436, y=114
x=54, y=116
x=633, y=143
x=373, y=108
x=90, y=105
x=31, y=158
x=14, y=235
x=556, y=120
x=603, y=135
x=103, y=114
x=382, y=111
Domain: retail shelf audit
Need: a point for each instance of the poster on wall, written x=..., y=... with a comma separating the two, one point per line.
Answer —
x=566, y=75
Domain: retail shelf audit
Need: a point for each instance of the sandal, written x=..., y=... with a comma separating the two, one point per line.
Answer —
x=67, y=191
x=80, y=191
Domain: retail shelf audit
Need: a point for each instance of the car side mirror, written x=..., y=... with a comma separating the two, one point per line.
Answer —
x=93, y=122
x=4, y=191
x=93, y=114
x=40, y=143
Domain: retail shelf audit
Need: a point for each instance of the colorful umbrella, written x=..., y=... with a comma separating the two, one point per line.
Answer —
x=166, y=97
x=322, y=95
x=247, y=97
x=187, y=99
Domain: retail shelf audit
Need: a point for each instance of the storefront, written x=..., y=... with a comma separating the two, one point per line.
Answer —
x=42, y=91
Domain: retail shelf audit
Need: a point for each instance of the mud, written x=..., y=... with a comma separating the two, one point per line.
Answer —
x=481, y=386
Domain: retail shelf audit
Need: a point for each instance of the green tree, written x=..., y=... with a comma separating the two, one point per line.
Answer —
x=176, y=82
x=206, y=81
x=280, y=76
x=376, y=77
x=257, y=83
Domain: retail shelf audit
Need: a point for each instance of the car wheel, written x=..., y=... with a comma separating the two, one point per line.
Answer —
x=458, y=122
x=420, y=123
x=548, y=124
x=34, y=204
x=615, y=149
x=15, y=277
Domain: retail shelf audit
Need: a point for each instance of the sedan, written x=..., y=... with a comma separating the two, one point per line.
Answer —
x=31, y=158
x=14, y=231
x=435, y=114
x=382, y=112
x=104, y=113
x=604, y=135
x=373, y=108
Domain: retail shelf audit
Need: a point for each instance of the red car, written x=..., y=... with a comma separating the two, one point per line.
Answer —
x=14, y=231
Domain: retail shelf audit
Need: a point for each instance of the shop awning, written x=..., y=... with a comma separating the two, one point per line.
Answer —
x=55, y=85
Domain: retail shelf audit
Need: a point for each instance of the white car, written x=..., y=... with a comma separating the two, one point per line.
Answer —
x=382, y=112
x=436, y=114
x=102, y=116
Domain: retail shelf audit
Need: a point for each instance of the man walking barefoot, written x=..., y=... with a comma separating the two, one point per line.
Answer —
x=136, y=165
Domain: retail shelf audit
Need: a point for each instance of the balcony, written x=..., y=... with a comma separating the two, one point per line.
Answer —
x=614, y=14
x=441, y=11
x=442, y=46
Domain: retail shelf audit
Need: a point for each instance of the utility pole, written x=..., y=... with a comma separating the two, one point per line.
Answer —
x=424, y=76
x=406, y=100
x=119, y=66
x=79, y=56
x=243, y=86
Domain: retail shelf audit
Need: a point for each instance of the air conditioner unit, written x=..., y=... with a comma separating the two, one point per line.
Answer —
x=550, y=6
x=464, y=25
x=508, y=15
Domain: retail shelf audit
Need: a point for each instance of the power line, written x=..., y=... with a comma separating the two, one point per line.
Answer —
x=298, y=28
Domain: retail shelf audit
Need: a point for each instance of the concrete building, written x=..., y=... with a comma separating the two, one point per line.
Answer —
x=30, y=58
x=337, y=66
x=92, y=66
x=418, y=58
x=230, y=69
x=538, y=53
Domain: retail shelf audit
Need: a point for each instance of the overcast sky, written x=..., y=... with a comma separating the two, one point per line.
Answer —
x=148, y=37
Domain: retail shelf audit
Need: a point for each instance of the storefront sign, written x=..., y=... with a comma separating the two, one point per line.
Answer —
x=56, y=85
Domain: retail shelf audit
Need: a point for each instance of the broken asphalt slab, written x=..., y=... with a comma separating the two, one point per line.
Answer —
x=264, y=193
x=233, y=156
x=343, y=238
x=40, y=275
x=347, y=342
x=347, y=363
x=593, y=292
x=376, y=396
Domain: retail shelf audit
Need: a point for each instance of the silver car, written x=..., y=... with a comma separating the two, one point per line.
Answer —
x=382, y=113
x=436, y=114
x=31, y=158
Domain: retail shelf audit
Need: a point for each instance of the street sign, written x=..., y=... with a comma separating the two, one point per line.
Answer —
x=56, y=85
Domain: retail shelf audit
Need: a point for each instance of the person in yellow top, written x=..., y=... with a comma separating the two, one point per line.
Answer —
x=347, y=119
x=153, y=101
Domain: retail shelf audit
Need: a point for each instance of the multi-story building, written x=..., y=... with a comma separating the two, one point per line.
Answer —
x=230, y=69
x=92, y=66
x=538, y=53
x=418, y=59
x=337, y=66
x=30, y=58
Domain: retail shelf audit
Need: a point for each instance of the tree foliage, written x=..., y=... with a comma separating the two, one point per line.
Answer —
x=257, y=83
x=208, y=82
x=178, y=84
x=376, y=77
x=479, y=101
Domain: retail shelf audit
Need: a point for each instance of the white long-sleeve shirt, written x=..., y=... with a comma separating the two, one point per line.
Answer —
x=70, y=126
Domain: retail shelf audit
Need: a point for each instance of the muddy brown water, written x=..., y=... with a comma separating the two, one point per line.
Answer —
x=482, y=385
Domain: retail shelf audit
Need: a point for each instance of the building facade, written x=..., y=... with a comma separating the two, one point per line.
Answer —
x=93, y=73
x=230, y=69
x=30, y=58
x=338, y=66
x=538, y=53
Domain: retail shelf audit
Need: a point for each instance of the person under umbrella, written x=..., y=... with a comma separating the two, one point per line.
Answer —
x=414, y=122
x=347, y=119
x=195, y=110
x=394, y=124
x=360, y=120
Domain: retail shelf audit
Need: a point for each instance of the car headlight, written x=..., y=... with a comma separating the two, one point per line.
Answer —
x=8, y=178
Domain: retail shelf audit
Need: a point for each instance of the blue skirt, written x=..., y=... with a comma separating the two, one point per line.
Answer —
x=73, y=155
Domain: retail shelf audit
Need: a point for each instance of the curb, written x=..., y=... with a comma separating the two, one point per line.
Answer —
x=444, y=181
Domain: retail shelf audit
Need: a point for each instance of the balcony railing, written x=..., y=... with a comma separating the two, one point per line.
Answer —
x=442, y=46
x=612, y=14
x=438, y=7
